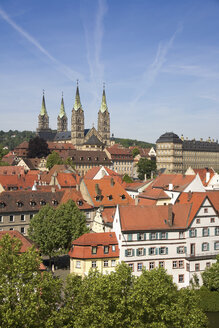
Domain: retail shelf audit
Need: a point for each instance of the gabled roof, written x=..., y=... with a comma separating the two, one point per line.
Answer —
x=11, y=170
x=21, y=182
x=202, y=173
x=82, y=247
x=135, y=186
x=197, y=198
x=94, y=170
x=150, y=218
x=154, y=193
x=179, y=181
x=111, y=192
x=26, y=243
x=93, y=140
x=76, y=196
x=66, y=179
x=108, y=214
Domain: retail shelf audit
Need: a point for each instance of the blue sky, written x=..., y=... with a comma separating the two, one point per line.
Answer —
x=158, y=58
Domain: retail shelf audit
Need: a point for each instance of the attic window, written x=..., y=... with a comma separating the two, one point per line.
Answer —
x=99, y=198
x=32, y=203
x=80, y=202
x=89, y=158
x=81, y=158
x=123, y=196
x=96, y=158
x=55, y=202
x=19, y=203
x=2, y=204
x=105, y=158
x=110, y=197
x=42, y=202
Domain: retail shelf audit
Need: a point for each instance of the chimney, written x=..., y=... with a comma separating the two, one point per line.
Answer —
x=53, y=189
x=189, y=196
x=112, y=182
x=136, y=200
x=170, y=186
x=77, y=187
x=207, y=176
x=170, y=214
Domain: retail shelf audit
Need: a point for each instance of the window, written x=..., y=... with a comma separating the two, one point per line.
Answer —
x=129, y=237
x=131, y=265
x=139, y=266
x=78, y=264
x=11, y=229
x=42, y=202
x=197, y=220
x=113, y=248
x=94, y=264
x=94, y=249
x=163, y=235
x=151, y=265
x=208, y=264
x=163, y=250
x=205, y=232
x=205, y=210
x=216, y=245
x=31, y=216
x=32, y=203
x=192, y=233
x=141, y=236
x=19, y=204
x=105, y=263
x=106, y=249
x=22, y=217
x=22, y=230
x=113, y=263
x=175, y=264
x=2, y=204
x=181, y=264
x=11, y=218
x=161, y=264
x=187, y=267
x=110, y=197
x=1, y=218
x=216, y=231
x=181, y=234
x=205, y=247
x=181, y=278
x=153, y=235
x=152, y=251
x=181, y=249
x=197, y=267
x=212, y=220
x=140, y=251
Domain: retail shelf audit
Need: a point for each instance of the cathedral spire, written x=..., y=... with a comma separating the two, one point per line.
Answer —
x=103, y=107
x=43, y=108
x=77, y=104
x=62, y=108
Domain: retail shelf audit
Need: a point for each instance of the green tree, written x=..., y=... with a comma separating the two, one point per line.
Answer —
x=126, y=178
x=28, y=298
x=53, y=159
x=69, y=162
x=53, y=230
x=135, y=152
x=37, y=147
x=145, y=167
x=210, y=276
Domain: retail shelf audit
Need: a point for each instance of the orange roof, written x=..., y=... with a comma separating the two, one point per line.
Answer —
x=179, y=181
x=153, y=217
x=154, y=193
x=146, y=201
x=11, y=170
x=214, y=199
x=82, y=247
x=111, y=192
x=94, y=170
x=26, y=243
x=77, y=198
x=18, y=181
x=202, y=174
x=66, y=179
x=108, y=214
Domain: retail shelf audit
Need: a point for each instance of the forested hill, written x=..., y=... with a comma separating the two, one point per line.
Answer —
x=131, y=142
x=11, y=139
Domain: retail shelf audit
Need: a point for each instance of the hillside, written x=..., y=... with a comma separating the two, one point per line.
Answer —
x=131, y=142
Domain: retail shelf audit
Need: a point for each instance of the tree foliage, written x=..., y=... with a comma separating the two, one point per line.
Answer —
x=53, y=159
x=13, y=138
x=28, y=298
x=130, y=142
x=210, y=276
x=37, y=147
x=53, y=230
x=145, y=167
x=135, y=152
x=126, y=178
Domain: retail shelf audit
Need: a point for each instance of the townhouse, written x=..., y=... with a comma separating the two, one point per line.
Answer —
x=183, y=238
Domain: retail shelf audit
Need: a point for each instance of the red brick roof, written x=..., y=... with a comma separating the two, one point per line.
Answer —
x=154, y=217
x=82, y=247
x=108, y=187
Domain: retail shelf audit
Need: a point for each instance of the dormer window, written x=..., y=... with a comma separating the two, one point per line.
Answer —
x=42, y=202
x=123, y=196
x=89, y=158
x=2, y=204
x=80, y=202
x=32, y=203
x=19, y=203
x=106, y=249
x=110, y=197
x=81, y=158
x=94, y=250
x=55, y=202
x=96, y=158
x=99, y=198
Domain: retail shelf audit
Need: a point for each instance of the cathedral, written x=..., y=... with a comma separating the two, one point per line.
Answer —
x=80, y=137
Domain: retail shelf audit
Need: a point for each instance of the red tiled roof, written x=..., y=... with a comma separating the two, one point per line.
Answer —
x=108, y=214
x=82, y=247
x=94, y=170
x=202, y=174
x=77, y=198
x=154, y=217
x=146, y=201
x=66, y=179
x=154, y=193
x=19, y=181
x=108, y=187
x=11, y=170
x=179, y=181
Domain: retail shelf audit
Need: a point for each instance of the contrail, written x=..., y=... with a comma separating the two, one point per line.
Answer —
x=68, y=72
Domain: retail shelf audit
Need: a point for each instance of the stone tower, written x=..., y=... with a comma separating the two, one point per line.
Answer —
x=62, y=121
x=77, y=121
x=43, y=118
x=104, y=120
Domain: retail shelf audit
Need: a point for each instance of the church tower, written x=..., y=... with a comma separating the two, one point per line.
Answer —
x=77, y=121
x=104, y=120
x=62, y=121
x=43, y=118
